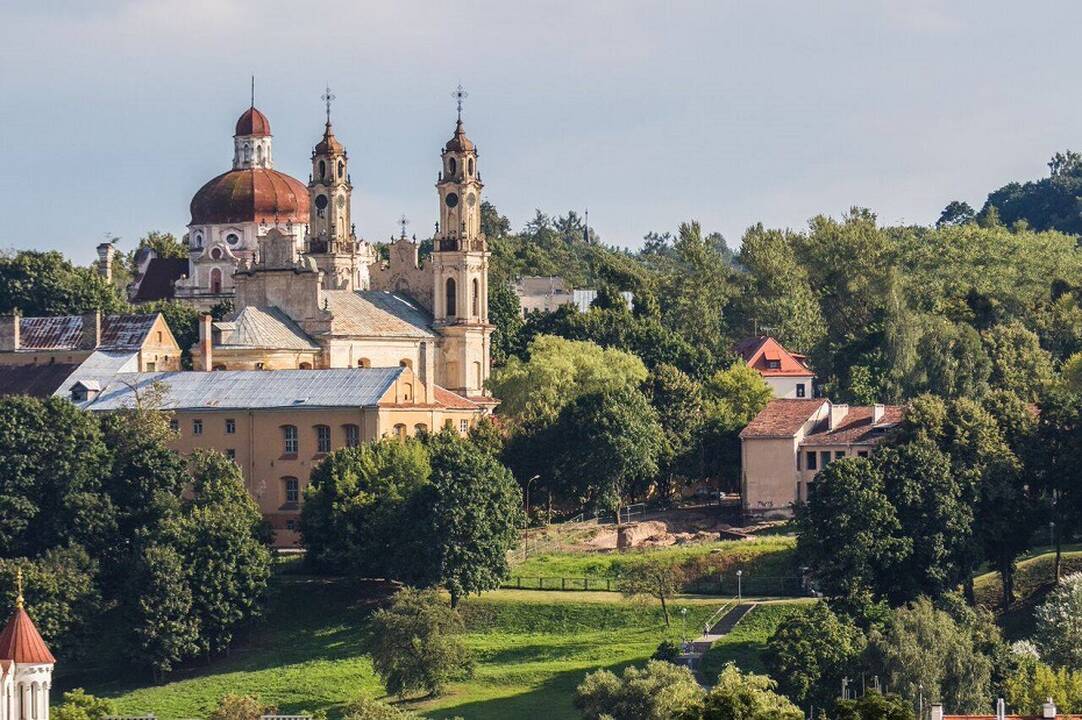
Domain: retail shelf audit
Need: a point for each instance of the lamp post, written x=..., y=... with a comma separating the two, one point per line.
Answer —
x=739, y=584
x=684, y=624
x=526, y=525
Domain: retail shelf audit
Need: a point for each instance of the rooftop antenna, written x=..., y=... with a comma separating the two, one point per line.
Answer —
x=253, y=90
x=327, y=97
x=459, y=95
x=403, y=221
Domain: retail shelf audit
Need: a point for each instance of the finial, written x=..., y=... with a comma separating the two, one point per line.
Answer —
x=403, y=221
x=19, y=602
x=327, y=97
x=253, y=90
x=460, y=94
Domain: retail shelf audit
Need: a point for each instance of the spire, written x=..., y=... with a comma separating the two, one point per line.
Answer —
x=253, y=91
x=20, y=640
x=19, y=601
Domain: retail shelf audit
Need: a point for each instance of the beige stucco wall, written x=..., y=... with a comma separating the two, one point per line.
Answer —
x=785, y=387
x=769, y=475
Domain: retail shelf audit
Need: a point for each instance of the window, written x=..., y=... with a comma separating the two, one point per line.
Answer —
x=151, y=367
x=323, y=438
x=231, y=453
x=464, y=426
x=451, y=166
x=451, y=297
x=773, y=364
x=353, y=435
x=341, y=168
x=230, y=426
x=215, y=281
x=159, y=336
x=289, y=439
x=293, y=489
x=476, y=298
x=469, y=166
x=232, y=238
x=305, y=366
x=811, y=460
x=420, y=428
x=174, y=425
x=862, y=453
x=824, y=458
x=839, y=454
x=291, y=524
x=407, y=392
x=323, y=174
x=400, y=431
x=197, y=427
x=800, y=391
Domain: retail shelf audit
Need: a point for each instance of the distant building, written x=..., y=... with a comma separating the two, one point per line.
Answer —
x=145, y=342
x=786, y=445
x=155, y=277
x=550, y=293
x=26, y=668
x=787, y=373
x=1048, y=712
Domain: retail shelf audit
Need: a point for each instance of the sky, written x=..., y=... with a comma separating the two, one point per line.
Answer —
x=112, y=114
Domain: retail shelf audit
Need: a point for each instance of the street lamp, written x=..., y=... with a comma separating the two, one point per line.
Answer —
x=739, y=585
x=684, y=624
x=526, y=526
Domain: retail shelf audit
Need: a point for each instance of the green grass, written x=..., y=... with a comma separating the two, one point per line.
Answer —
x=745, y=644
x=1033, y=579
x=532, y=649
x=763, y=561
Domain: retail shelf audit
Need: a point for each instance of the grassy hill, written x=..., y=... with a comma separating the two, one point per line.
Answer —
x=532, y=649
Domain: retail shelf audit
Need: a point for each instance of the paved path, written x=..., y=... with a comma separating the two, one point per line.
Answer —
x=721, y=628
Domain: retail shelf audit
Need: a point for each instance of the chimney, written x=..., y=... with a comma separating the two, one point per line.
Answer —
x=937, y=712
x=1049, y=710
x=206, y=341
x=1001, y=710
x=105, y=260
x=837, y=414
x=90, y=334
x=9, y=332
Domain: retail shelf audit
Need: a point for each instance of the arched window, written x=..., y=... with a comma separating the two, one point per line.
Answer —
x=364, y=363
x=322, y=169
x=216, y=254
x=215, y=281
x=476, y=298
x=407, y=392
x=353, y=435
x=305, y=366
x=289, y=439
x=341, y=169
x=469, y=165
x=199, y=240
x=400, y=431
x=451, y=166
x=247, y=152
x=323, y=438
x=420, y=428
x=451, y=297
x=259, y=154
x=292, y=489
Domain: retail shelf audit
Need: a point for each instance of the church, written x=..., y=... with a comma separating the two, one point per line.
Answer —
x=307, y=293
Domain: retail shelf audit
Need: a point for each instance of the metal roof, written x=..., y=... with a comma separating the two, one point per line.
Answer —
x=376, y=313
x=250, y=389
x=63, y=332
x=264, y=327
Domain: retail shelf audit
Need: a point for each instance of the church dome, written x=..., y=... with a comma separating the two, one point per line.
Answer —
x=329, y=145
x=250, y=195
x=459, y=142
x=253, y=122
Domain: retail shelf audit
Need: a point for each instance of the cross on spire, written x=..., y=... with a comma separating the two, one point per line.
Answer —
x=19, y=585
x=403, y=221
x=253, y=90
x=327, y=97
x=459, y=95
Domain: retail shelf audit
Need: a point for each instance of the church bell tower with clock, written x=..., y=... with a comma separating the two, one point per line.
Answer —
x=460, y=268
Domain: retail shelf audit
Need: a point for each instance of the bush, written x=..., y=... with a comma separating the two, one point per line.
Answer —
x=240, y=707
x=79, y=705
x=658, y=691
x=668, y=651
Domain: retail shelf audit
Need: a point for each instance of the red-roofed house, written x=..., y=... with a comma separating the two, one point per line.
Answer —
x=1048, y=712
x=787, y=373
x=785, y=446
x=26, y=668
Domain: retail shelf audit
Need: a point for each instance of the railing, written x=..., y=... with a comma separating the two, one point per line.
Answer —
x=532, y=582
x=728, y=585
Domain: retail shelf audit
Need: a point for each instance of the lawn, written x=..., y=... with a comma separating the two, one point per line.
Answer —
x=1032, y=581
x=532, y=649
x=745, y=644
x=768, y=565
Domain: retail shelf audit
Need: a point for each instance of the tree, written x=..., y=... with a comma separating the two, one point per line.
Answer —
x=740, y=696
x=873, y=706
x=654, y=579
x=473, y=510
x=45, y=283
x=80, y=705
x=607, y=446
x=849, y=534
x=951, y=361
x=505, y=313
x=183, y=321
x=922, y=650
x=559, y=371
x=677, y=398
x=414, y=647
x=657, y=691
x=1059, y=624
x=355, y=505
x=158, y=611
x=956, y=213
x=696, y=288
x=165, y=245
x=731, y=398
x=1057, y=469
x=233, y=706
x=1034, y=682
x=1047, y=203
x=226, y=561
x=811, y=652
x=1019, y=364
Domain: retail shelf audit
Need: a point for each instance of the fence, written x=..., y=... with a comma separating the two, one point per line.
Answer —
x=728, y=584
x=526, y=582
x=627, y=514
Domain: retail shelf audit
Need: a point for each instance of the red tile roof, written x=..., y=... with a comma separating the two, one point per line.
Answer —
x=758, y=352
x=451, y=400
x=253, y=122
x=782, y=417
x=856, y=427
x=21, y=642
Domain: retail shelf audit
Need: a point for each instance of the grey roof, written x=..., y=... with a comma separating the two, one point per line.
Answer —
x=264, y=327
x=63, y=332
x=101, y=366
x=377, y=313
x=251, y=389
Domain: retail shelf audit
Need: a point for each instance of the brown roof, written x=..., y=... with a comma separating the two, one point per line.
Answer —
x=157, y=281
x=63, y=332
x=253, y=122
x=782, y=417
x=459, y=142
x=856, y=427
x=329, y=144
x=251, y=195
x=758, y=352
x=21, y=642
x=451, y=400
x=35, y=380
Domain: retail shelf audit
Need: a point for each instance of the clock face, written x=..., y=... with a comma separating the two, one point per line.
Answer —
x=451, y=199
x=321, y=201
x=471, y=199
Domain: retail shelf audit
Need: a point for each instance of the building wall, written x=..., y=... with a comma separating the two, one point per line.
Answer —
x=403, y=273
x=159, y=351
x=44, y=357
x=785, y=387
x=769, y=477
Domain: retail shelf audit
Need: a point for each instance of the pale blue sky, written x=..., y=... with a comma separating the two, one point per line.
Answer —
x=112, y=114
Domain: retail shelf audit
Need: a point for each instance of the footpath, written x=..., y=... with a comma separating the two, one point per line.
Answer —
x=719, y=625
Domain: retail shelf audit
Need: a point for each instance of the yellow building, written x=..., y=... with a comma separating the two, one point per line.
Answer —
x=279, y=425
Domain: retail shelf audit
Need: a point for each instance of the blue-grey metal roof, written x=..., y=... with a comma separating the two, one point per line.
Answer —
x=250, y=389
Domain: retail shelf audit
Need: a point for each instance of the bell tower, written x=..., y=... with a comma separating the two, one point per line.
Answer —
x=460, y=267
x=332, y=241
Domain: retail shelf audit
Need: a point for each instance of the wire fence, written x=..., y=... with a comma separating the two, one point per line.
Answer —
x=727, y=584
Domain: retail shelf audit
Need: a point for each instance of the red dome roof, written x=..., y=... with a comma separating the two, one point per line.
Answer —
x=20, y=641
x=250, y=195
x=253, y=122
x=459, y=142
